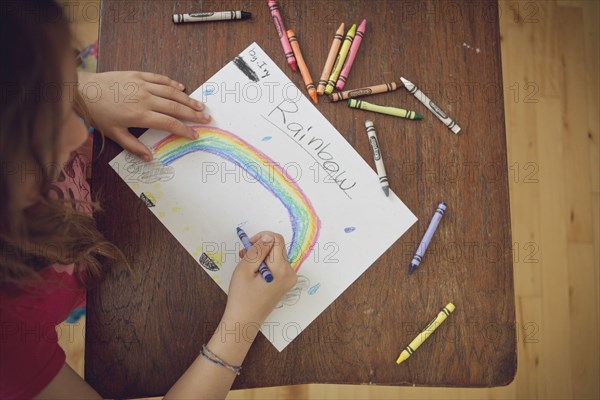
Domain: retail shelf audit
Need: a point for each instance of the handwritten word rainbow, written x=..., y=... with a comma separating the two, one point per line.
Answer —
x=232, y=148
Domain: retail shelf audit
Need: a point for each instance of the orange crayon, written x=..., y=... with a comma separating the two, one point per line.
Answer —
x=310, y=86
x=333, y=51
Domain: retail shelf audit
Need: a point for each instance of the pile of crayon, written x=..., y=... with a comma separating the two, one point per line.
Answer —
x=341, y=57
x=339, y=61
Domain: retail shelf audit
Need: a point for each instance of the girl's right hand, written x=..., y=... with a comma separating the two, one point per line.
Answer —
x=251, y=299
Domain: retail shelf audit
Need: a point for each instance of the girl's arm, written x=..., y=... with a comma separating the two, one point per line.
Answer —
x=207, y=380
x=126, y=99
x=68, y=385
x=250, y=300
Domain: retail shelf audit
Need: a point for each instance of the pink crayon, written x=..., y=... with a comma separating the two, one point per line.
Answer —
x=285, y=42
x=360, y=32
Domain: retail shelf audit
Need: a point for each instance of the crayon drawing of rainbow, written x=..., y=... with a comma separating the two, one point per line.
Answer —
x=304, y=220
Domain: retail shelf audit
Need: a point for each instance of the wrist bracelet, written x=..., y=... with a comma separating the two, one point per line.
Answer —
x=209, y=355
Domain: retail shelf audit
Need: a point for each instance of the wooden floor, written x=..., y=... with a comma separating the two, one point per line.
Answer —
x=550, y=52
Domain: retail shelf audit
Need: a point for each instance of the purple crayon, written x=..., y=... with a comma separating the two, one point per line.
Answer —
x=360, y=32
x=435, y=221
x=263, y=269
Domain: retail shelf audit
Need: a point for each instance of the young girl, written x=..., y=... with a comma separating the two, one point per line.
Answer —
x=49, y=246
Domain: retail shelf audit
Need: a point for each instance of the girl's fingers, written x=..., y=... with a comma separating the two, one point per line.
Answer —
x=168, y=92
x=177, y=104
x=256, y=254
x=177, y=110
x=161, y=80
x=156, y=120
x=277, y=259
x=127, y=141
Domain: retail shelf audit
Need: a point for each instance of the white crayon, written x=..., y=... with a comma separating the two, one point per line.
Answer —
x=431, y=105
x=211, y=16
x=377, y=157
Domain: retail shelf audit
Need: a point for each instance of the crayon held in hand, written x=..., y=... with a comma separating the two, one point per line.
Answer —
x=263, y=269
x=422, y=337
x=397, y=112
x=365, y=91
x=285, y=43
x=360, y=33
x=310, y=86
x=339, y=60
x=333, y=51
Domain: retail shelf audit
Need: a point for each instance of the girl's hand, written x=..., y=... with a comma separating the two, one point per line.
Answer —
x=122, y=99
x=251, y=299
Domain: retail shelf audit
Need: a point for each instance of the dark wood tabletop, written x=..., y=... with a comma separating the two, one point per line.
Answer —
x=144, y=329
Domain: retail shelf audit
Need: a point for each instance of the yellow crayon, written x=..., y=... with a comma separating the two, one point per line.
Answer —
x=395, y=111
x=339, y=60
x=429, y=329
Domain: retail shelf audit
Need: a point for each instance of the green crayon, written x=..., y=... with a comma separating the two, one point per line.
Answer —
x=339, y=60
x=397, y=112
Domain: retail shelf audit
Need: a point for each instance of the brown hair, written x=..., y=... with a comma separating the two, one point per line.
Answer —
x=35, y=39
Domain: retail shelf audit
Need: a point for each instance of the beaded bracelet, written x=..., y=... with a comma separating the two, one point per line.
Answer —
x=209, y=355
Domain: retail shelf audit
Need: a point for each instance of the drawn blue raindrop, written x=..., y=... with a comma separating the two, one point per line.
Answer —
x=349, y=229
x=267, y=138
x=208, y=91
x=314, y=289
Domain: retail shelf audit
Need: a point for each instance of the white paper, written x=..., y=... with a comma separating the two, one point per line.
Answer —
x=330, y=200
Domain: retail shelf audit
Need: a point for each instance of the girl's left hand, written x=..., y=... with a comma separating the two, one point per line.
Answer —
x=122, y=99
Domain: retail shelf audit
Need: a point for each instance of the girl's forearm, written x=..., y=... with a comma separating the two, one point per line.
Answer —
x=207, y=380
x=83, y=83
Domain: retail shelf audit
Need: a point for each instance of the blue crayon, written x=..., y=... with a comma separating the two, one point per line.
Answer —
x=263, y=269
x=435, y=221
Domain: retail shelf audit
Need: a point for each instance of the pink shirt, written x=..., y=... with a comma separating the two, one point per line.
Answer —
x=30, y=357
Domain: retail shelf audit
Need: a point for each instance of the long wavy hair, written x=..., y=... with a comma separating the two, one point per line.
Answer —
x=35, y=39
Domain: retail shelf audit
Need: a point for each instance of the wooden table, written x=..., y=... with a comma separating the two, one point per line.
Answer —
x=144, y=330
